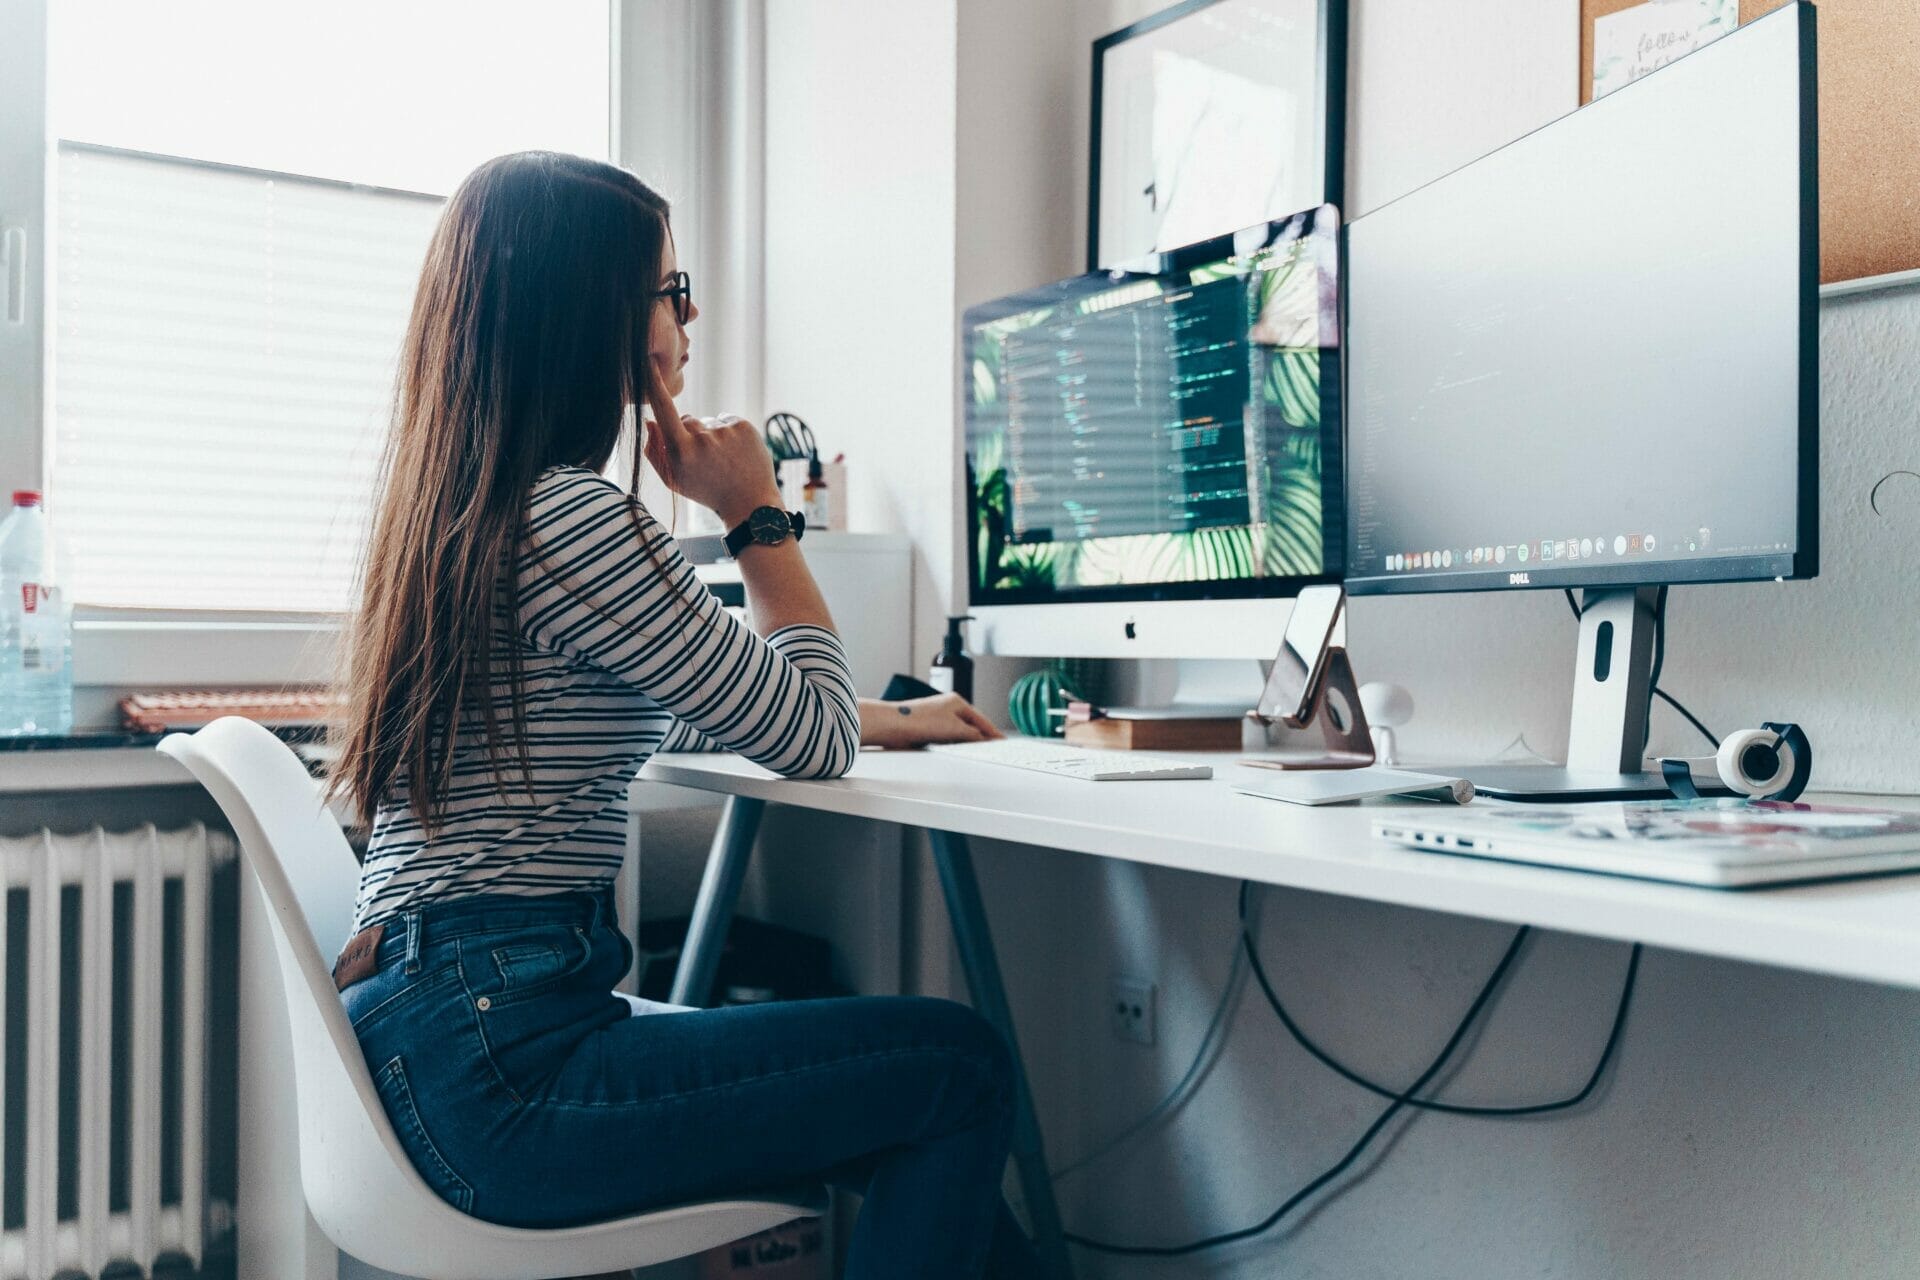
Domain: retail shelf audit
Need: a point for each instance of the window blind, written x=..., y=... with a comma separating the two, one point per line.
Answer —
x=223, y=362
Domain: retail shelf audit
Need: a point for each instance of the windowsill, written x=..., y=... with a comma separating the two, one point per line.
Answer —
x=79, y=740
x=122, y=651
x=88, y=769
x=103, y=760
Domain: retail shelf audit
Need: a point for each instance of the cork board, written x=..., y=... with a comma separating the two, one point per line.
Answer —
x=1869, y=128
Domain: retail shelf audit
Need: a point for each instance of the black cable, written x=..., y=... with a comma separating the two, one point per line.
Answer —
x=1659, y=664
x=1427, y=1104
x=1353, y=1153
x=1409, y=1098
x=1690, y=718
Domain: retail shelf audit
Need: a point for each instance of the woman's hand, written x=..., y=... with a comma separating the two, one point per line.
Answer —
x=945, y=717
x=720, y=463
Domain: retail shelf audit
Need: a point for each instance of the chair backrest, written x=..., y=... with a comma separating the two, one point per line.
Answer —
x=360, y=1185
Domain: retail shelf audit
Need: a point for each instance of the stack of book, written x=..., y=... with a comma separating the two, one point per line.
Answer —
x=168, y=710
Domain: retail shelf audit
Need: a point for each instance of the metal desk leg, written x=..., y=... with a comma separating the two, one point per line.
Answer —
x=713, y=908
x=969, y=918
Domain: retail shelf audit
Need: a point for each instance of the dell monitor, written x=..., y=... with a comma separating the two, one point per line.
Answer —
x=1153, y=451
x=1588, y=360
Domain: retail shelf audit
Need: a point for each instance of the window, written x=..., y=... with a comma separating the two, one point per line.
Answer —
x=261, y=332
x=241, y=196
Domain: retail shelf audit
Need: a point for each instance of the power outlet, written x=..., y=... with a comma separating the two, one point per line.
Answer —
x=1130, y=1009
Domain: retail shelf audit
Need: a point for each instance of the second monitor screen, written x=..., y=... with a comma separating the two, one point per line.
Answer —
x=1167, y=432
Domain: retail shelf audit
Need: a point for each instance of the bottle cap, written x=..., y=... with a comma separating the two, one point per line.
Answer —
x=26, y=497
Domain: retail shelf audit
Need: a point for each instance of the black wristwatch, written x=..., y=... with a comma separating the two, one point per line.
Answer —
x=768, y=526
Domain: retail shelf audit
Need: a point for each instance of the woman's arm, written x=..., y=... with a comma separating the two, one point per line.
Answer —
x=592, y=587
x=726, y=468
x=632, y=606
x=944, y=717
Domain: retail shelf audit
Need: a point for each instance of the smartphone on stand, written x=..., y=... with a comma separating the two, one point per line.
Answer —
x=1302, y=660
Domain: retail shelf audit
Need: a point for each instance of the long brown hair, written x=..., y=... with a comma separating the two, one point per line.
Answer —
x=528, y=342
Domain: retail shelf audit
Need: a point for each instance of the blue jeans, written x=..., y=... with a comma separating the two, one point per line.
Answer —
x=529, y=1095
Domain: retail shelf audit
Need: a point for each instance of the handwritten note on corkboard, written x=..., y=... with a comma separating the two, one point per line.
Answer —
x=1869, y=128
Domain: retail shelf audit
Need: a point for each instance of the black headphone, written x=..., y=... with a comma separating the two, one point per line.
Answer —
x=1772, y=762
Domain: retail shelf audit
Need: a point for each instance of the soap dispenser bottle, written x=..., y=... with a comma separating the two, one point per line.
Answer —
x=952, y=668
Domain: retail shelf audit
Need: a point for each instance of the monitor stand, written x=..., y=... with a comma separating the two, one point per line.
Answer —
x=1606, y=740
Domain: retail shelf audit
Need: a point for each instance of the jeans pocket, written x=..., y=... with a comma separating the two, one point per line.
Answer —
x=391, y=991
x=397, y=1096
x=532, y=963
x=525, y=963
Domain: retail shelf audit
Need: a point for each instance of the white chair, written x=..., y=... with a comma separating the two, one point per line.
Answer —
x=360, y=1185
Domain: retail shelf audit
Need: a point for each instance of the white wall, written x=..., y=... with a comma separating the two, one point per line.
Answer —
x=23, y=204
x=1758, y=1124
x=860, y=217
x=860, y=229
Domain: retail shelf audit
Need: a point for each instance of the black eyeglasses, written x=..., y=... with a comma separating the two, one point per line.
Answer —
x=681, y=291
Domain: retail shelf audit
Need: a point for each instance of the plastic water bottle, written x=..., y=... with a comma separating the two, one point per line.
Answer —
x=36, y=626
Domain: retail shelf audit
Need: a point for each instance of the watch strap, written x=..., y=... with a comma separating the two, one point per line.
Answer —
x=740, y=537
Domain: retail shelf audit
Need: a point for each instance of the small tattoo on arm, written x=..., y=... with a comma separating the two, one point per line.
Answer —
x=906, y=711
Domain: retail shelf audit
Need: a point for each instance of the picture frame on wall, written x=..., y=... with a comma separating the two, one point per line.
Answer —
x=1212, y=115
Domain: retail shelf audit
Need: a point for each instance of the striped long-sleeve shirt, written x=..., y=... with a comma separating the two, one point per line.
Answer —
x=624, y=652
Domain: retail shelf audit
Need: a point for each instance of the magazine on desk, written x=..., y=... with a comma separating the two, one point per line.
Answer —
x=1716, y=842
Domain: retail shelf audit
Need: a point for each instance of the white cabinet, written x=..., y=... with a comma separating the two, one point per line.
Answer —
x=867, y=579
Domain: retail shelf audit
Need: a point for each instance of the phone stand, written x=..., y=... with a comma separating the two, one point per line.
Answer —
x=1332, y=735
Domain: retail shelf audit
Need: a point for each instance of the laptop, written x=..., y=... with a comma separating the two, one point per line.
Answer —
x=1716, y=843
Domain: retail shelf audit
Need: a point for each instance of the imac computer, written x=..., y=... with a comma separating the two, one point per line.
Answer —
x=1153, y=451
x=1588, y=360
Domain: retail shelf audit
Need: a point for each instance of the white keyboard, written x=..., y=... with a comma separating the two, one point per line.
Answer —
x=1063, y=760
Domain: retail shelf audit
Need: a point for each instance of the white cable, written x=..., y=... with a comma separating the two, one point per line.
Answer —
x=1211, y=1046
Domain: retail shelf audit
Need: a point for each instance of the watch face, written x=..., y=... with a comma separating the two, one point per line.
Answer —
x=769, y=525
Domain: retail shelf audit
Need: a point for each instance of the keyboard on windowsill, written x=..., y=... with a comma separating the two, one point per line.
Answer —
x=1087, y=764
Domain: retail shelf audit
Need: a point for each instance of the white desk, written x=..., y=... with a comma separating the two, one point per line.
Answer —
x=1862, y=929
x=1866, y=929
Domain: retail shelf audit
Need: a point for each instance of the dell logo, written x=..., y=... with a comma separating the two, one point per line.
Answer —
x=1519, y=580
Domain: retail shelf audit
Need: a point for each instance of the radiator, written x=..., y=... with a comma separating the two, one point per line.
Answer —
x=104, y=1043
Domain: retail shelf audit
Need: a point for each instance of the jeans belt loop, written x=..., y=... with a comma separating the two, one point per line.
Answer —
x=413, y=943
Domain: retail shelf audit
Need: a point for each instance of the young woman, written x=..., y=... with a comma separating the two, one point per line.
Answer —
x=527, y=637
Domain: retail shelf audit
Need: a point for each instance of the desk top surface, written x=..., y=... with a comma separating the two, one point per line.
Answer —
x=1867, y=929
